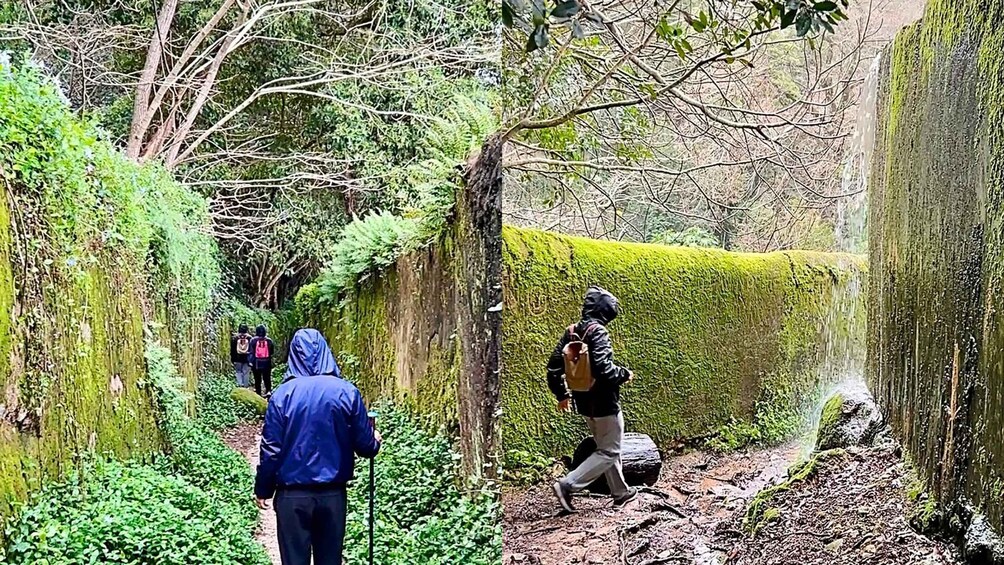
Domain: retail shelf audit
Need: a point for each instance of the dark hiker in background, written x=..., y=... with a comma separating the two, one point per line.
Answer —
x=260, y=358
x=315, y=425
x=240, y=346
x=582, y=370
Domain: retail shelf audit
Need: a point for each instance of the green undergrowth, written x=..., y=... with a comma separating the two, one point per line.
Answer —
x=759, y=513
x=189, y=505
x=215, y=405
x=425, y=512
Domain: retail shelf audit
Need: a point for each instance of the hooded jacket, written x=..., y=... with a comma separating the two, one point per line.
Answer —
x=261, y=364
x=315, y=423
x=598, y=309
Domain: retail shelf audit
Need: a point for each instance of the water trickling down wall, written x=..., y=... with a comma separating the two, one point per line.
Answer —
x=936, y=231
x=735, y=343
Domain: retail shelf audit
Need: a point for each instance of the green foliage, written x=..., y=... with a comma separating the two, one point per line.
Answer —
x=190, y=506
x=693, y=236
x=196, y=453
x=422, y=515
x=524, y=467
x=425, y=192
x=114, y=513
x=94, y=201
x=217, y=408
x=808, y=16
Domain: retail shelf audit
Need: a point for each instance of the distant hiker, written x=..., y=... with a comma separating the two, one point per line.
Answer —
x=315, y=425
x=260, y=358
x=240, y=345
x=594, y=387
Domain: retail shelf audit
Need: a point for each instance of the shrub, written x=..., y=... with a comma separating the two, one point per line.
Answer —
x=114, y=513
x=422, y=515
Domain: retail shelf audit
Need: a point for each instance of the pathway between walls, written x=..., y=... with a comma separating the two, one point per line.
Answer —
x=245, y=439
x=852, y=512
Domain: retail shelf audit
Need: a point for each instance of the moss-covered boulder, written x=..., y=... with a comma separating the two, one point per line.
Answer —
x=849, y=417
x=249, y=399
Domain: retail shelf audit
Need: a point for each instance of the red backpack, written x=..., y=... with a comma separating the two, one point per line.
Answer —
x=261, y=349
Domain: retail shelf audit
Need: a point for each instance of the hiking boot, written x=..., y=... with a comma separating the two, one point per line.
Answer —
x=564, y=497
x=628, y=496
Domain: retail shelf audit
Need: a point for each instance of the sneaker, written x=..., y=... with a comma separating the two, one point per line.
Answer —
x=564, y=497
x=628, y=496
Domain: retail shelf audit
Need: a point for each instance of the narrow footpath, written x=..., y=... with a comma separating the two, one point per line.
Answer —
x=851, y=511
x=245, y=438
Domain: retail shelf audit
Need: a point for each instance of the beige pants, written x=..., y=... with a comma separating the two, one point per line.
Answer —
x=608, y=432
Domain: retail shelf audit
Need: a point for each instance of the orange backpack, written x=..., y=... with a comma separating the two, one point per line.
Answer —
x=578, y=368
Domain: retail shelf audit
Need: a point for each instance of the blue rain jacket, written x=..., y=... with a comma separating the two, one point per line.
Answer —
x=315, y=424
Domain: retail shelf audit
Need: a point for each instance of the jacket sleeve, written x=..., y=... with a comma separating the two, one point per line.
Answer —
x=556, y=371
x=271, y=451
x=601, y=354
x=364, y=442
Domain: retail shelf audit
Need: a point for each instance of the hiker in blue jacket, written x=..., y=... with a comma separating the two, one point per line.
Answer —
x=315, y=425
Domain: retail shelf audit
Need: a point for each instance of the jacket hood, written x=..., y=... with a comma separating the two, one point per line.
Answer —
x=260, y=331
x=600, y=305
x=309, y=355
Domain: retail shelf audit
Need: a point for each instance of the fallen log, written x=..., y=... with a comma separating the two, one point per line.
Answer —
x=640, y=460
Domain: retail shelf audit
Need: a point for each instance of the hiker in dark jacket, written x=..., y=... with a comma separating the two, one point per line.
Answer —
x=260, y=358
x=240, y=345
x=600, y=405
x=315, y=425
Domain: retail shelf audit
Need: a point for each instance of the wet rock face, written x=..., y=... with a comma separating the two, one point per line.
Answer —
x=850, y=417
x=982, y=545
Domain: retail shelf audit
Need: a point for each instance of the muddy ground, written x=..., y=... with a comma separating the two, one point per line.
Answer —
x=852, y=510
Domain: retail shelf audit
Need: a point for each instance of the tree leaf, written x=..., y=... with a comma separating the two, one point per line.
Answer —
x=538, y=39
x=565, y=9
x=804, y=24
x=507, y=16
x=825, y=6
x=788, y=18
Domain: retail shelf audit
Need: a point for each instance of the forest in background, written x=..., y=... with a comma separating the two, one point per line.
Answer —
x=292, y=117
x=684, y=125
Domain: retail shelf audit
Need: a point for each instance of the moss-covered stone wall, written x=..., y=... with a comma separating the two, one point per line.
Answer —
x=395, y=335
x=425, y=330
x=95, y=253
x=720, y=343
x=936, y=232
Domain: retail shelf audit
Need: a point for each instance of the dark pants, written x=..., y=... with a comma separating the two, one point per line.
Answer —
x=259, y=376
x=310, y=521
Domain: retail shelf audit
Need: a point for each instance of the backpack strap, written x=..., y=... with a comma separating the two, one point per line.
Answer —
x=589, y=328
x=571, y=331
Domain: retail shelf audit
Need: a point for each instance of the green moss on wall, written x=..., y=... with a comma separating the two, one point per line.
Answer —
x=936, y=222
x=394, y=335
x=93, y=249
x=716, y=339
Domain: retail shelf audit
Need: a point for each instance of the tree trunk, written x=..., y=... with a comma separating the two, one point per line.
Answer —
x=639, y=456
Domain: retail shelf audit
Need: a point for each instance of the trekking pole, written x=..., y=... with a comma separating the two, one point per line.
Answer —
x=373, y=417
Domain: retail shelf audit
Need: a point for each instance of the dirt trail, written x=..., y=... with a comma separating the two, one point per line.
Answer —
x=245, y=439
x=694, y=516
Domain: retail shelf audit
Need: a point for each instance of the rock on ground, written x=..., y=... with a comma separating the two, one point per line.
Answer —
x=850, y=417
